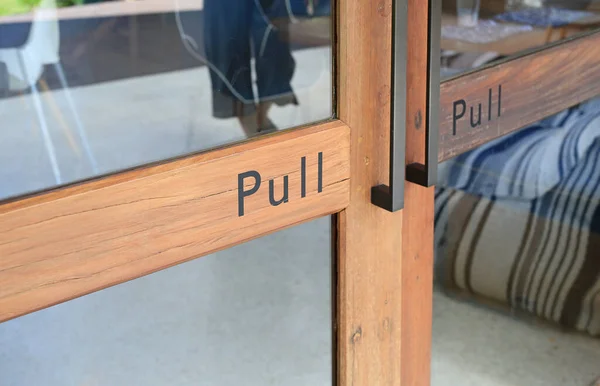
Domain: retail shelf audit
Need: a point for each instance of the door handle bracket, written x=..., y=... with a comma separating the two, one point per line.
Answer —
x=391, y=197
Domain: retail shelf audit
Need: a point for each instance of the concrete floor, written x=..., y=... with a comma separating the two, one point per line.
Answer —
x=474, y=346
x=257, y=314
x=260, y=314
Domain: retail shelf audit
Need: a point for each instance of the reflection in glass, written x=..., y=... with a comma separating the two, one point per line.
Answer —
x=89, y=87
x=467, y=12
x=506, y=28
x=256, y=314
x=517, y=257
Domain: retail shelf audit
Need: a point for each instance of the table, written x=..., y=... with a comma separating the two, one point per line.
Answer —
x=518, y=42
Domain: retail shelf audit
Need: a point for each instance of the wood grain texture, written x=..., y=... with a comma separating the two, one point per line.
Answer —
x=77, y=240
x=417, y=248
x=369, y=301
x=534, y=86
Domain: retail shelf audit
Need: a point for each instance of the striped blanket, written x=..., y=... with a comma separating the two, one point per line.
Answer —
x=518, y=220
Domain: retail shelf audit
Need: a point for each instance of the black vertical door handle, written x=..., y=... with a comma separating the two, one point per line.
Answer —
x=391, y=197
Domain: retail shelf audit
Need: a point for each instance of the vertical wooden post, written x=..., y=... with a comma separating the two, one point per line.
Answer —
x=417, y=251
x=370, y=239
x=384, y=262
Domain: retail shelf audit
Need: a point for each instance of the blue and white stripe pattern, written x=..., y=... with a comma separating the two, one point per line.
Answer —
x=518, y=220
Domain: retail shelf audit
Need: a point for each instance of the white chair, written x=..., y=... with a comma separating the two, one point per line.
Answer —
x=25, y=65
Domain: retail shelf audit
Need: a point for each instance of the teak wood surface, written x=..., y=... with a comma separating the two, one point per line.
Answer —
x=369, y=297
x=73, y=241
x=534, y=86
x=384, y=259
x=418, y=221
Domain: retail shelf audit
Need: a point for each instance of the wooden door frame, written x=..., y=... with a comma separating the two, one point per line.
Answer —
x=71, y=241
x=385, y=260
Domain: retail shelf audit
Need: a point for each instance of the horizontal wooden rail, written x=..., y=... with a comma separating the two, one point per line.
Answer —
x=70, y=242
x=482, y=105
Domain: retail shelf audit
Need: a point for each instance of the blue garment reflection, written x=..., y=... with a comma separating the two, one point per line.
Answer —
x=236, y=31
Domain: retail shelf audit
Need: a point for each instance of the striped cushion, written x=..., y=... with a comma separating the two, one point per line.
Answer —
x=518, y=220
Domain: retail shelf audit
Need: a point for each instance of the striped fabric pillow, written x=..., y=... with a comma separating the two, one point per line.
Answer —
x=518, y=220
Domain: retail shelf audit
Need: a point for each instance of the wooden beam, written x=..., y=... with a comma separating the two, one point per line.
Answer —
x=369, y=301
x=516, y=93
x=417, y=251
x=73, y=241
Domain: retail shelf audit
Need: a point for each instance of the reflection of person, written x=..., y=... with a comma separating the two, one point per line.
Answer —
x=234, y=32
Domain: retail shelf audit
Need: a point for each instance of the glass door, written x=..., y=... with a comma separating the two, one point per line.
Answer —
x=154, y=154
x=106, y=106
x=516, y=217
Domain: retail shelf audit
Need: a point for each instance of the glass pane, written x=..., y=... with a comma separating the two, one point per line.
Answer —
x=256, y=314
x=89, y=87
x=517, y=298
x=477, y=32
